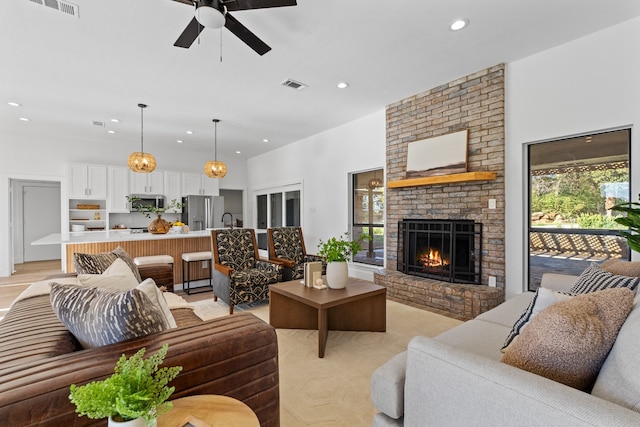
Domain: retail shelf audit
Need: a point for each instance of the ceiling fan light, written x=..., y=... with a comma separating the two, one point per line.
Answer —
x=142, y=162
x=215, y=169
x=210, y=17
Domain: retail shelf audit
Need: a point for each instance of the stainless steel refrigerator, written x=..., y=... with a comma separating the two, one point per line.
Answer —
x=202, y=212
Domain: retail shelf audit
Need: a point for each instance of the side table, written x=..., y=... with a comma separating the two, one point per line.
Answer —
x=218, y=411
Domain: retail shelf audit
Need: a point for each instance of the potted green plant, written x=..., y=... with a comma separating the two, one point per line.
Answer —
x=632, y=220
x=158, y=225
x=336, y=251
x=137, y=390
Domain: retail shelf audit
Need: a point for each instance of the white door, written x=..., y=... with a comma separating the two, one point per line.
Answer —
x=41, y=217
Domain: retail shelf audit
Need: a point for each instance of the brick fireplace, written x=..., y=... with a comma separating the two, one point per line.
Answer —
x=476, y=103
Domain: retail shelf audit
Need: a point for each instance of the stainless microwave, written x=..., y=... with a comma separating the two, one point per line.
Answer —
x=144, y=202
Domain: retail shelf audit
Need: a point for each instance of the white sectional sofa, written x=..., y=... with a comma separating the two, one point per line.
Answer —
x=457, y=379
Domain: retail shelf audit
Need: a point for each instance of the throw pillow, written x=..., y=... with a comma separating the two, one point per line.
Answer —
x=622, y=267
x=569, y=341
x=117, y=276
x=98, y=263
x=101, y=316
x=594, y=278
x=542, y=299
x=156, y=297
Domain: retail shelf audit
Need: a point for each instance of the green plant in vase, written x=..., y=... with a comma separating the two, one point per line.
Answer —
x=138, y=388
x=337, y=251
x=632, y=220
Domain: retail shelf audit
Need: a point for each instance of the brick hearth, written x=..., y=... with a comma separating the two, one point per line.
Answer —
x=465, y=301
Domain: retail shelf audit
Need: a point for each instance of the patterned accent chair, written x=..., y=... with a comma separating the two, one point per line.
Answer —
x=286, y=246
x=239, y=275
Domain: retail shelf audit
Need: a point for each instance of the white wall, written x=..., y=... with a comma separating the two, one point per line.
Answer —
x=590, y=84
x=322, y=163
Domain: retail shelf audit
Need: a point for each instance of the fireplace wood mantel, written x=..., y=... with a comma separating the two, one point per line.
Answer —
x=443, y=179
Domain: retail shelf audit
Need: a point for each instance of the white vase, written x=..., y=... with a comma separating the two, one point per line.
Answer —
x=138, y=422
x=337, y=275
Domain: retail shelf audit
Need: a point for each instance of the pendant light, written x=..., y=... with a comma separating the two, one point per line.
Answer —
x=139, y=161
x=215, y=169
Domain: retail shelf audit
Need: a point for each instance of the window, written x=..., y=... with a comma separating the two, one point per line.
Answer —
x=573, y=183
x=368, y=215
x=277, y=207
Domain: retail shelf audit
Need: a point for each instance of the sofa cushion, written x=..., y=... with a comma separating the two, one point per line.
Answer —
x=594, y=278
x=101, y=316
x=477, y=336
x=619, y=377
x=542, y=299
x=622, y=267
x=98, y=263
x=508, y=312
x=569, y=341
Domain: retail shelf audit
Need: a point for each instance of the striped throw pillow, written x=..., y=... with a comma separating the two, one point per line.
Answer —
x=594, y=278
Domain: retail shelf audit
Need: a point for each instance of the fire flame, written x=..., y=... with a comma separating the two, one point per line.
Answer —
x=433, y=259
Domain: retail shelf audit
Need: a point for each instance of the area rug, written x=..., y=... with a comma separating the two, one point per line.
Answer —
x=334, y=390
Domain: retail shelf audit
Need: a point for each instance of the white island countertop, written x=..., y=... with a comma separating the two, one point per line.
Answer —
x=115, y=236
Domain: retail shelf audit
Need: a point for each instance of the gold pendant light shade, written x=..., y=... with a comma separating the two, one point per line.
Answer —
x=214, y=168
x=142, y=162
x=139, y=161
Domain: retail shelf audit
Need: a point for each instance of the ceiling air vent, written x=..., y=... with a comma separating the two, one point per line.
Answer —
x=294, y=84
x=98, y=123
x=61, y=6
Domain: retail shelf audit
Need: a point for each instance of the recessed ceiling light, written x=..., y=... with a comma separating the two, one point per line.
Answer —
x=238, y=152
x=111, y=131
x=14, y=104
x=343, y=85
x=458, y=24
x=265, y=140
x=179, y=141
x=24, y=119
x=115, y=120
x=189, y=132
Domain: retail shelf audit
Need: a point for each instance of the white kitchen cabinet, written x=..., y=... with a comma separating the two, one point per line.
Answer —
x=146, y=183
x=199, y=184
x=118, y=189
x=87, y=181
x=172, y=188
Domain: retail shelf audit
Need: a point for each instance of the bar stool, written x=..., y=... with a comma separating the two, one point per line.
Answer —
x=157, y=267
x=187, y=259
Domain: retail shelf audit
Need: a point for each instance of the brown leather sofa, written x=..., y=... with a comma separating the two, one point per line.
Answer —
x=236, y=356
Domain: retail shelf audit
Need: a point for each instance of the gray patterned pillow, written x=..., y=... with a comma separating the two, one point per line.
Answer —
x=594, y=278
x=98, y=263
x=101, y=316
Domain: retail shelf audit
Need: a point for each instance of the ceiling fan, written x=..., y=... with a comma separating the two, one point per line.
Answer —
x=215, y=14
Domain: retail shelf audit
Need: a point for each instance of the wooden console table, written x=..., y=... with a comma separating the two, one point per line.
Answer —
x=361, y=306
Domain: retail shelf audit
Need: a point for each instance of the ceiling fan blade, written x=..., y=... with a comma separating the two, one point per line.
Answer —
x=189, y=34
x=232, y=5
x=245, y=35
x=189, y=2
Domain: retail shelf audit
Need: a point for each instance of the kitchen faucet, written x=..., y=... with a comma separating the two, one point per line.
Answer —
x=225, y=214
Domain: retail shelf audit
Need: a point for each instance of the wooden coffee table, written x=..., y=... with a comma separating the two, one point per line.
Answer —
x=361, y=306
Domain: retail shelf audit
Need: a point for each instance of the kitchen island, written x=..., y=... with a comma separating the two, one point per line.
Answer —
x=136, y=244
